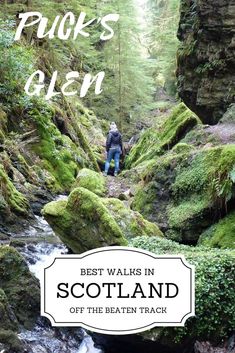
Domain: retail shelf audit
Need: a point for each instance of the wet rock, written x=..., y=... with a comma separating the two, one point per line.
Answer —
x=8, y=319
x=206, y=64
x=20, y=286
x=207, y=347
x=124, y=196
x=10, y=342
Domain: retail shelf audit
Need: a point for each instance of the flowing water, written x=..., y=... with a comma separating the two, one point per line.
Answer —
x=42, y=246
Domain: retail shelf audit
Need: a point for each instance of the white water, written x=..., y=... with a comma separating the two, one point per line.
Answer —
x=44, y=339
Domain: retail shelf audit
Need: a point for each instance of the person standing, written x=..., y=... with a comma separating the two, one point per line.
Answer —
x=114, y=148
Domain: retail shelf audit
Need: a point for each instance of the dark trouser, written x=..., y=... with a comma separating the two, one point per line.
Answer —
x=114, y=153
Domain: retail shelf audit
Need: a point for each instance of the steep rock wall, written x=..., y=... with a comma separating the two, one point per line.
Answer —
x=206, y=57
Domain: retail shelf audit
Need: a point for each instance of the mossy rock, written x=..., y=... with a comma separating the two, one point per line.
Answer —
x=11, y=342
x=155, y=141
x=83, y=222
x=186, y=192
x=215, y=304
x=3, y=125
x=92, y=181
x=229, y=116
x=220, y=235
x=182, y=147
x=20, y=286
x=11, y=199
x=56, y=158
x=153, y=194
x=8, y=319
x=131, y=223
x=188, y=218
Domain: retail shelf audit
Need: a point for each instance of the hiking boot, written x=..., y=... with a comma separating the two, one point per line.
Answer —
x=105, y=174
x=115, y=174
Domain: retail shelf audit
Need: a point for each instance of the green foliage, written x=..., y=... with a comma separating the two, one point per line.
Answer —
x=220, y=235
x=210, y=172
x=163, y=40
x=16, y=65
x=215, y=306
x=216, y=64
x=128, y=86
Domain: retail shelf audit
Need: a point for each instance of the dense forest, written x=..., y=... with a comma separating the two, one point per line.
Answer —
x=169, y=85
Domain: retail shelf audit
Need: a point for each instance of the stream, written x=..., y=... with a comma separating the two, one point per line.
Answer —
x=39, y=245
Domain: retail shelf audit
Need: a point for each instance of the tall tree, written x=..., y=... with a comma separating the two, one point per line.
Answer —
x=128, y=87
x=164, y=15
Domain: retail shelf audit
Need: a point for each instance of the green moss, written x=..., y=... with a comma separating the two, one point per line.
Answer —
x=155, y=141
x=7, y=317
x=182, y=148
x=82, y=133
x=92, y=181
x=188, y=218
x=3, y=125
x=138, y=173
x=145, y=198
x=185, y=213
x=181, y=190
x=20, y=286
x=215, y=271
x=132, y=223
x=220, y=235
x=58, y=160
x=10, y=197
x=83, y=222
x=11, y=341
x=153, y=193
x=208, y=172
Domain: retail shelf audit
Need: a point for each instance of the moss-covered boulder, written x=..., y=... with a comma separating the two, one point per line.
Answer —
x=21, y=289
x=83, y=222
x=11, y=342
x=215, y=303
x=220, y=235
x=11, y=200
x=3, y=125
x=187, y=192
x=92, y=181
x=8, y=319
x=155, y=141
x=132, y=223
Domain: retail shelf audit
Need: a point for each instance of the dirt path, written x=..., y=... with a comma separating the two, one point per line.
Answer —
x=118, y=187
